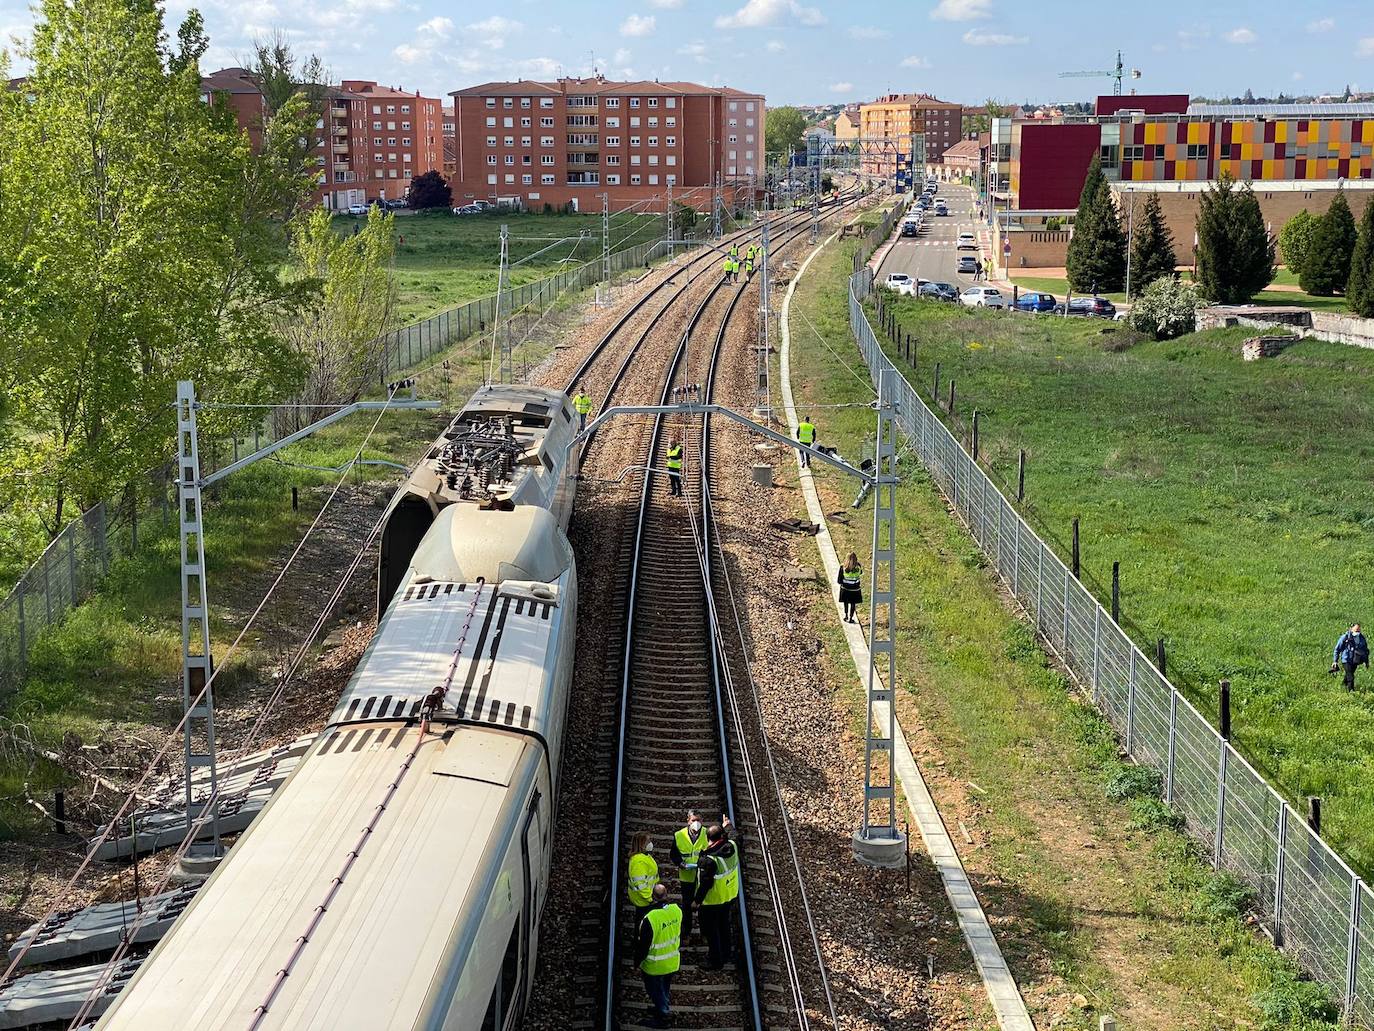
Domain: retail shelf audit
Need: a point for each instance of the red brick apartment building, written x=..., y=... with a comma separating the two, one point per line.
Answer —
x=370, y=139
x=536, y=143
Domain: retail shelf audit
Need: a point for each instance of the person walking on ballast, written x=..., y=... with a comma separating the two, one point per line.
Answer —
x=850, y=579
x=1351, y=650
x=658, y=952
x=717, y=890
x=806, y=434
x=674, y=462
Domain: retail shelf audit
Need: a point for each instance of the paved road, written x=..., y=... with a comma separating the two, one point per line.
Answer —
x=932, y=255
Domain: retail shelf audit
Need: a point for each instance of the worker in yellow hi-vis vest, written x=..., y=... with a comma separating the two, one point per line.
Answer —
x=806, y=434
x=658, y=953
x=717, y=890
x=688, y=844
x=643, y=875
x=674, y=462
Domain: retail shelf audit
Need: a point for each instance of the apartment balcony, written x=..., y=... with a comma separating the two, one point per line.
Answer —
x=339, y=169
x=338, y=110
x=340, y=130
x=576, y=148
x=339, y=148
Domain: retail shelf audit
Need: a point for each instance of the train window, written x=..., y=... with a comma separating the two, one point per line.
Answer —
x=510, y=968
x=489, y=1021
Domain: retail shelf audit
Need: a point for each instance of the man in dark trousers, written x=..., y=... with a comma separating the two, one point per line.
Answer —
x=674, y=463
x=1351, y=650
x=657, y=952
x=717, y=890
x=688, y=844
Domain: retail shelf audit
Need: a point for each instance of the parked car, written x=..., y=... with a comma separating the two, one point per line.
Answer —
x=967, y=265
x=932, y=186
x=483, y=205
x=941, y=208
x=911, y=228
x=923, y=201
x=940, y=292
x=467, y=209
x=395, y=205
x=901, y=283
x=357, y=209
x=1091, y=307
x=982, y=297
x=1035, y=301
x=967, y=242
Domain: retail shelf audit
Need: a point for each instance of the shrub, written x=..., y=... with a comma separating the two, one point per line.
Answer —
x=1134, y=782
x=1295, y=238
x=1167, y=309
x=1289, y=1002
x=1222, y=897
x=1054, y=224
x=1152, y=247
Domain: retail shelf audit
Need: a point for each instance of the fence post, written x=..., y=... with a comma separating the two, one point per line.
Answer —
x=1278, y=874
x=1173, y=730
x=1116, y=592
x=1314, y=814
x=1159, y=656
x=935, y=388
x=951, y=398
x=1352, y=958
x=1075, y=547
x=1224, y=709
x=1130, y=702
x=23, y=627
x=1021, y=477
x=975, y=421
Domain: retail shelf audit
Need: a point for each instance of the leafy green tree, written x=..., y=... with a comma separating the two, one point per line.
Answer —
x=280, y=75
x=157, y=260
x=430, y=190
x=1167, y=308
x=1295, y=239
x=1327, y=264
x=1235, y=253
x=783, y=129
x=1097, y=251
x=350, y=298
x=1152, y=247
x=1359, y=288
x=684, y=218
x=827, y=183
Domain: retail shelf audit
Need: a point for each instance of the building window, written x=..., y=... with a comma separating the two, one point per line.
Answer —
x=391, y=157
x=1196, y=151
x=377, y=140
x=653, y=101
x=733, y=138
x=612, y=180
x=734, y=106
x=507, y=102
x=613, y=122
x=612, y=141
x=634, y=101
x=582, y=101
x=510, y=178
x=376, y=109
x=749, y=138
x=653, y=141
x=391, y=141
x=546, y=141
x=653, y=159
x=546, y=101
x=524, y=101
x=732, y=155
x=525, y=159
x=508, y=123
x=672, y=159
x=671, y=102
x=653, y=123
x=749, y=106
x=377, y=126
x=748, y=123
x=612, y=101
x=653, y=180
x=733, y=122
x=405, y=141
x=634, y=122
x=612, y=159
x=546, y=159
x=670, y=122
x=1109, y=156
x=527, y=180
x=491, y=123
x=547, y=180
x=491, y=159
x=670, y=141
x=524, y=141
x=491, y=180
x=391, y=109
x=525, y=122
x=1133, y=153
x=491, y=141
x=634, y=159
x=546, y=123
x=634, y=180
x=634, y=141
x=405, y=126
x=510, y=141
x=732, y=170
x=510, y=159
x=671, y=180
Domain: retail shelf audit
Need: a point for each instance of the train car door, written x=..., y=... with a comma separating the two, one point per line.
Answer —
x=531, y=852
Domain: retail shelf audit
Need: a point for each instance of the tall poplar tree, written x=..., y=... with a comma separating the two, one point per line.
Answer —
x=1097, y=250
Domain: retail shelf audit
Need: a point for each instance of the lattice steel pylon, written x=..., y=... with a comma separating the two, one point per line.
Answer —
x=196, y=661
x=501, y=330
x=763, y=407
x=878, y=840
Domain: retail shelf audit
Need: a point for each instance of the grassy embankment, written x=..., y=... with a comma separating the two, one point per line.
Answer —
x=444, y=260
x=1091, y=891
x=111, y=669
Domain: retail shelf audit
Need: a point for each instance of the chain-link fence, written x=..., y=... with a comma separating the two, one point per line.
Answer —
x=1308, y=897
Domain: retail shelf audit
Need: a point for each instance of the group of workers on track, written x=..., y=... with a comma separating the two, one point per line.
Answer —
x=707, y=861
x=731, y=265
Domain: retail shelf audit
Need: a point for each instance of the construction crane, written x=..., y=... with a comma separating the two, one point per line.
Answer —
x=1118, y=74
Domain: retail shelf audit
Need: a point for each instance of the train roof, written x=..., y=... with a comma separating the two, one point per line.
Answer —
x=383, y=953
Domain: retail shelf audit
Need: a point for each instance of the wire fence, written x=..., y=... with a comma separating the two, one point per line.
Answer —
x=1308, y=898
x=81, y=554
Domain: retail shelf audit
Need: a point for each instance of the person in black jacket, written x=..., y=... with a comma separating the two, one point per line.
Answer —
x=719, y=861
x=1352, y=650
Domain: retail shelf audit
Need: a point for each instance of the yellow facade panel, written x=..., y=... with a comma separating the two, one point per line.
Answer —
x=1367, y=132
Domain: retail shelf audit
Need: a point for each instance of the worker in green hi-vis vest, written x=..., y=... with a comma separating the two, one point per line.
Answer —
x=806, y=434
x=658, y=953
x=688, y=844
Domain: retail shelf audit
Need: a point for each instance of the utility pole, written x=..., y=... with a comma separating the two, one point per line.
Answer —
x=764, y=408
x=671, y=249
x=715, y=206
x=198, y=721
x=501, y=331
x=606, y=238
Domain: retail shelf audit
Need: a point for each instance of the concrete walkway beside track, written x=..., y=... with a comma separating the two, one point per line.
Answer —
x=973, y=922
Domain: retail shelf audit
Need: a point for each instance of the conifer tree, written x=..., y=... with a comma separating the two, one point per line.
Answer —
x=1152, y=247
x=1359, y=288
x=1097, y=251
x=1235, y=253
x=1327, y=264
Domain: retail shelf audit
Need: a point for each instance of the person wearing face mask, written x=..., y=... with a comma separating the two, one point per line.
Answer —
x=643, y=875
x=688, y=844
x=717, y=890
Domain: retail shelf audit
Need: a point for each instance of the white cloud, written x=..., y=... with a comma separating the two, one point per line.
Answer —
x=492, y=32
x=696, y=50
x=976, y=38
x=1365, y=47
x=775, y=46
x=868, y=32
x=961, y=10
x=1188, y=39
x=1241, y=36
x=407, y=54
x=1321, y=25
x=439, y=26
x=666, y=5
x=621, y=56
x=637, y=26
x=915, y=62
x=758, y=13
x=842, y=87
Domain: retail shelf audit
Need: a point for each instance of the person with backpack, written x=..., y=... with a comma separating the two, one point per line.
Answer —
x=1351, y=650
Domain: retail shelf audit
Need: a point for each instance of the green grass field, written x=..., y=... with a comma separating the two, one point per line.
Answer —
x=1232, y=495
x=444, y=260
x=1091, y=889
x=1059, y=286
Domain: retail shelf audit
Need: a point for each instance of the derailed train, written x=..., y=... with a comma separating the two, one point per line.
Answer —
x=396, y=879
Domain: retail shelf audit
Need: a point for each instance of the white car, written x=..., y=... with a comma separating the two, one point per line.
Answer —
x=357, y=209
x=982, y=297
x=967, y=242
x=901, y=283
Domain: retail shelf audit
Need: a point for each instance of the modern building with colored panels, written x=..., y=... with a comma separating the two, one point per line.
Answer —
x=569, y=141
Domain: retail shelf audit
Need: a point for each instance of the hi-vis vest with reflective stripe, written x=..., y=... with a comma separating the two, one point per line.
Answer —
x=675, y=457
x=691, y=852
x=582, y=403
x=725, y=887
x=663, y=957
x=806, y=432
x=852, y=577
x=643, y=877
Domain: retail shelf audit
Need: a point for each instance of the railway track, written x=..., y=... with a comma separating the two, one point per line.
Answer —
x=663, y=740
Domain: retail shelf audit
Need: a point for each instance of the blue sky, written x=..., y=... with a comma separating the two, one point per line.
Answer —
x=813, y=51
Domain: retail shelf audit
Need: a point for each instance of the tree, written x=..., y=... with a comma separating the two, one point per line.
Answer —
x=280, y=76
x=158, y=259
x=684, y=218
x=1235, y=254
x=982, y=121
x=1097, y=250
x=1295, y=239
x=1359, y=288
x=429, y=190
x=350, y=300
x=783, y=130
x=1166, y=309
x=1152, y=247
x=827, y=183
x=1326, y=266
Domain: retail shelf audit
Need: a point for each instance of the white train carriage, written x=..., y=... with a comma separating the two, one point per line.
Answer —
x=394, y=880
